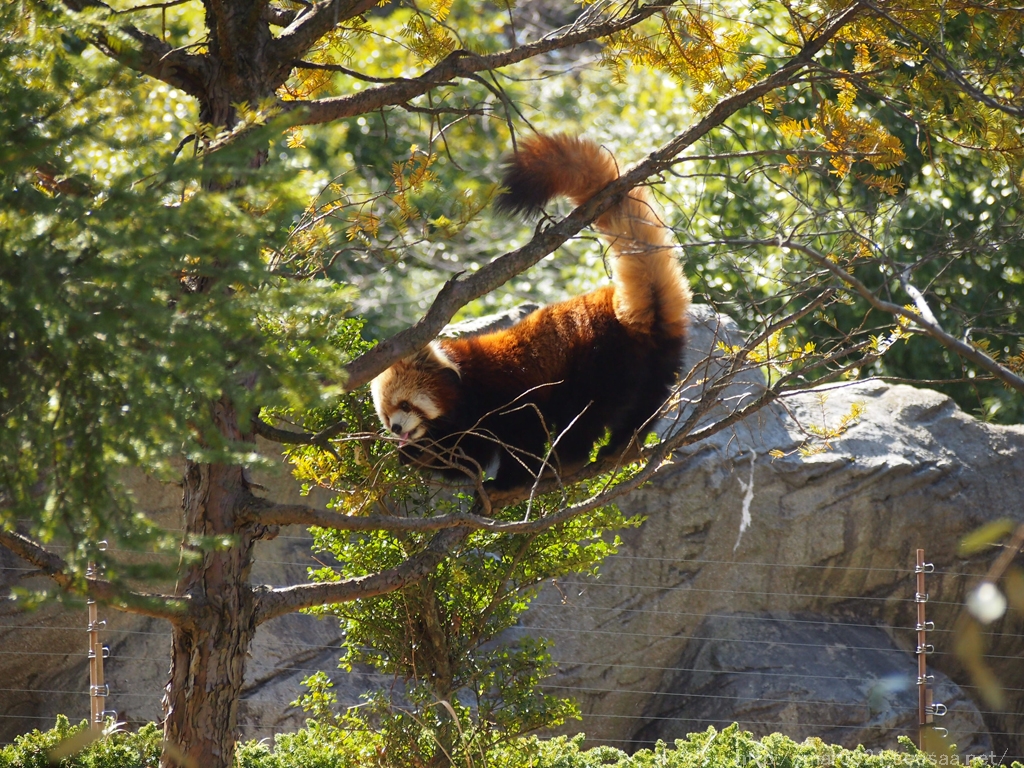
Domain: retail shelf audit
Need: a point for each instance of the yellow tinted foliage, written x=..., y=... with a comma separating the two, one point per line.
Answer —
x=428, y=40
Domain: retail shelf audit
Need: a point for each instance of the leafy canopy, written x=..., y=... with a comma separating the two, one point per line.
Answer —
x=899, y=154
x=108, y=357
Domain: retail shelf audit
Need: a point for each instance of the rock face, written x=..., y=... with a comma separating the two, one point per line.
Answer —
x=767, y=586
x=734, y=529
x=845, y=682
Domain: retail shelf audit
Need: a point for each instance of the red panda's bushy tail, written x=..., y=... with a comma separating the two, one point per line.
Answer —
x=651, y=293
x=546, y=167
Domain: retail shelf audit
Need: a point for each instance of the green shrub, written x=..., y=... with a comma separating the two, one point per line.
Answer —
x=728, y=748
x=320, y=747
x=119, y=749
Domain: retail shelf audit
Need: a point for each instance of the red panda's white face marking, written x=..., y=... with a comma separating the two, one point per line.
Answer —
x=408, y=418
x=405, y=395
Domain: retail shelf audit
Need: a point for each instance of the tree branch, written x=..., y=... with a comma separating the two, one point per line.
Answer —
x=310, y=25
x=460, y=63
x=287, y=437
x=301, y=64
x=951, y=343
x=458, y=291
x=919, y=300
x=271, y=603
x=279, y=17
x=933, y=50
x=153, y=57
x=264, y=512
x=151, y=7
x=157, y=606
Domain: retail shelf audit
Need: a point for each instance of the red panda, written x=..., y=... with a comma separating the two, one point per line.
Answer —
x=538, y=395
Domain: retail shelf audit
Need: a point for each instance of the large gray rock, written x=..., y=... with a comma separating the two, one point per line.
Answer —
x=731, y=530
x=842, y=681
x=745, y=523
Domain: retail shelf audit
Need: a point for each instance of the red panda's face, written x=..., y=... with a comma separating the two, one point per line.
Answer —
x=413, y=392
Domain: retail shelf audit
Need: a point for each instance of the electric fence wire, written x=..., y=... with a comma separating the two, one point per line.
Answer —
x=569, y=604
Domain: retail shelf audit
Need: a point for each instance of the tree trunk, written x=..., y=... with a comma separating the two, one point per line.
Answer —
x=438, y=669
x=210, y=645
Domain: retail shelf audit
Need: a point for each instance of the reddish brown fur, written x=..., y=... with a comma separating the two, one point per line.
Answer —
x=569, y=371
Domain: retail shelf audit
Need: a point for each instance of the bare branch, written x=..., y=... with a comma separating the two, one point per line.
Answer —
x=282, y=436
x=932, y=329
x=287, y=437
x=150, y=7
x=155, y=58
x=271, y=603
x=265, y=512
x=458, y=291
x=918, y=297
x=454, y=294
x=299, y=64
x=157, y=606
x=78, y=5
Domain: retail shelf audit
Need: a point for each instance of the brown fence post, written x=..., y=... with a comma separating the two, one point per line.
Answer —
x=925, y=708
x=97, y=687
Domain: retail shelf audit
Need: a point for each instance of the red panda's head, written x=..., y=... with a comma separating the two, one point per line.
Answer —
x=414, y=392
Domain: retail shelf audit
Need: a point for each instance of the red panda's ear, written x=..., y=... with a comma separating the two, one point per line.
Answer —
x=433, y=358
x=424, y=358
